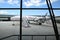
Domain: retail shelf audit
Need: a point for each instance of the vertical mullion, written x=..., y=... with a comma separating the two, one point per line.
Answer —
x=20, y=19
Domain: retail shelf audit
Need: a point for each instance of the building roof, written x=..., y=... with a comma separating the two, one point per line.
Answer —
x=4, y=15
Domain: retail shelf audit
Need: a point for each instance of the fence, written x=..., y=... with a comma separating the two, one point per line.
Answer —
x=18, y=36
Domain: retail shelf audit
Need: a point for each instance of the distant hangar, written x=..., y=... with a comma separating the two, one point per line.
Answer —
x=4, y=17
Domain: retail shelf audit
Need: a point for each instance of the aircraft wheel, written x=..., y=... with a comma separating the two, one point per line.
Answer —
x=13, y=24
x=28, y=22
x=40, y=23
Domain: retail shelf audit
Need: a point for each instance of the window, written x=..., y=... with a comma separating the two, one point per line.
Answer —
x=31, y=18
x=31, y=9
x=34, y=4
x=9, y=29
x=10, y=4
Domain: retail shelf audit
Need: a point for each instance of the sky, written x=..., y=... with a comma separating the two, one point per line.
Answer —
x=28, y=4
x=39, y=3
x=10, y=12
x=9, y=3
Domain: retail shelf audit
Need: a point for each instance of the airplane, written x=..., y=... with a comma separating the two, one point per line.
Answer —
x=24, y=21
x=41, y=18
x=38, y=18
x=27, y=19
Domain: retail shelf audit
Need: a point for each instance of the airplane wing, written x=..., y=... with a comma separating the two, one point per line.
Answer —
x=16, y=18
x=24, y=21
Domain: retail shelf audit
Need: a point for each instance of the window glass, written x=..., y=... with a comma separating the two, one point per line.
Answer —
x=57, y=17
x=9, y=3
x=55, y=3
x=7, y=24
x=39, y=23
x=34, y=4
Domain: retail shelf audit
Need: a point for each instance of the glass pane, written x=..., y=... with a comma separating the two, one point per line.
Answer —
x=57, y=17
x=34, y=4
x=9, y=3
x=8, y=25
x=55, y=3
x=36, y=22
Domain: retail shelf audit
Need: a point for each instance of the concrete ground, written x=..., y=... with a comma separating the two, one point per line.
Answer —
x=6, y=29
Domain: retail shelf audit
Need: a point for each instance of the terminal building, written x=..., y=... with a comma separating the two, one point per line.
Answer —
x=4, y=17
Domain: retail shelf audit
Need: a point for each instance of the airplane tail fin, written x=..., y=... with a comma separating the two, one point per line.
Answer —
x=45, y=14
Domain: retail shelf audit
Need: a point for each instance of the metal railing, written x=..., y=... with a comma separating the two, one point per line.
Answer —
x=10, y=36
x=39, y=35
x=32, y=36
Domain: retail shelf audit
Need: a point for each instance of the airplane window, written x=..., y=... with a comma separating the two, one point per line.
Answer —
x=9, y=3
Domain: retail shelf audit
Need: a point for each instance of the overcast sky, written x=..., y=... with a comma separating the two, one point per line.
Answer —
x=28, y=4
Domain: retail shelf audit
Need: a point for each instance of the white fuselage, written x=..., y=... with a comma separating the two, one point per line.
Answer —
x=37, y=19
x=24, y=20
x=27, y=19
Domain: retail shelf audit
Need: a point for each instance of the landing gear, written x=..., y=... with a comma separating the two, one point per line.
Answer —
x=29, y=22
x=13, y=24
x=40, y=23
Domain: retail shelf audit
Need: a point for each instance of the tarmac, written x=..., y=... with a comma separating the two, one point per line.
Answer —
x=7, y=28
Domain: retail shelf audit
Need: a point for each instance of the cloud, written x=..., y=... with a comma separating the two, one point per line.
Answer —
x=36, y=2
x=11, y=2
x=3, y=12
x=28, y=3
x=53, y=1
x=32, y=2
